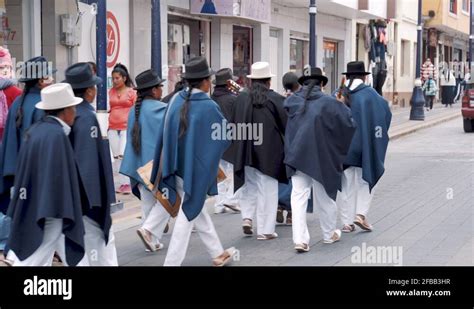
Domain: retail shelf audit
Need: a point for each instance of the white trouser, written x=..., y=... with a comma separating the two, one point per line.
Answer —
x=53, y=241
x=118, y=141
x=97, y=252
x=355, y=196
x=260, y=195
x=182, y=233
x=154, y=215
x=226, y=188
x=326, y=206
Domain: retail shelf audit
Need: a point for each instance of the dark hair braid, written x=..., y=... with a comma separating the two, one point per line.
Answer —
x=19, y=114
x=183, y=120
x=311, y=84
x=137, y=130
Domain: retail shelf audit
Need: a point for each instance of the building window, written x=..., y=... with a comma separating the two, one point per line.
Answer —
x=453, y=6
x=299, y=56
x=465, y=5
x=405, y=58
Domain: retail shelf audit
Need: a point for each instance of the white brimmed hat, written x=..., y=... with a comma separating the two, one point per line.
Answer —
x=261, y=70
x=58, y=96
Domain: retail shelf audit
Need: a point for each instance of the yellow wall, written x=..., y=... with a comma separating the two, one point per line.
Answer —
x=459, y=22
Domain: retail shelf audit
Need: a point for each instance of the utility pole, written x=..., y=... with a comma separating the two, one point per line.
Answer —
x=417, y=100
x=156, y=37
x=312, y=33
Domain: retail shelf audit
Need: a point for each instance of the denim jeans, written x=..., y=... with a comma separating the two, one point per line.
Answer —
x=4, y=230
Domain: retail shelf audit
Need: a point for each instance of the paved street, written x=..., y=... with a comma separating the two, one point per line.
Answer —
x=424, y=204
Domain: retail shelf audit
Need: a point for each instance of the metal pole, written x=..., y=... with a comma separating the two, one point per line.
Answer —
x=312, y=33
x=101, y=50
x=417, y=100
x=156, y=37
x=471, y=39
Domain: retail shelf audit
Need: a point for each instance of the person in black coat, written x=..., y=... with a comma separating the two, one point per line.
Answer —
x=46, y=207
x=225, y=98
x=258, y=157
x=94, y=164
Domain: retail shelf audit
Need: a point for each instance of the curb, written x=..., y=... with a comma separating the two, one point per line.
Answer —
x=403, y=132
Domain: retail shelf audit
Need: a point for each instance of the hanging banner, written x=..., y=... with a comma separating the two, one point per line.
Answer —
x=213, y=7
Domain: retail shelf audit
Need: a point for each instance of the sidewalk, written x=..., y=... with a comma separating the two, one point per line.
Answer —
x=129, y=216
x=402, y=125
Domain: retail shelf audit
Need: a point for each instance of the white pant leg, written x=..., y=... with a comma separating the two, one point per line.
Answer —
x=231, y=198
x=147, y=201
x=97, y=252
x=299, y=203
x=182, y=233
x=268, y=204
x=122, y=141
x=327, y=210
x=222, y=187
x=207, y=232
x=114, y=141
x=364, y=196
x=346, y=199
x=53, y=241
x=156, y=221
x=249, y=194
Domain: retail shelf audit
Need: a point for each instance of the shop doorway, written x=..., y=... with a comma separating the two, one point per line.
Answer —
x=330, y=64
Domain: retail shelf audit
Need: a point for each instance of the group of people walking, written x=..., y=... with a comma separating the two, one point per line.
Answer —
x=314, y=151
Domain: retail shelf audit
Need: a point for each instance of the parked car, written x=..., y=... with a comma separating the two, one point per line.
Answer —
x=468, y=106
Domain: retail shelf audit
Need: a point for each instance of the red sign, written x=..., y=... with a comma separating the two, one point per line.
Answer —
x=113, y=40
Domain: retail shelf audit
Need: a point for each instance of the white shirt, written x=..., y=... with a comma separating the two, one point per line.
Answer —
x=356, y=83
x=66, y=128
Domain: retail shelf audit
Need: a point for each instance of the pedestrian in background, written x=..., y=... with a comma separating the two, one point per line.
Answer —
x=144, y=121
x=430, y=90
x=46, y=208
x=122, y=97
x=448, y=87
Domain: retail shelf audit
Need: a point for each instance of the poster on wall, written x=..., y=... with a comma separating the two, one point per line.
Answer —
x=257, y=10
x=213, y=7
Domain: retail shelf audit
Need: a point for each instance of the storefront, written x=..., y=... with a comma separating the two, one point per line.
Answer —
x=330, y=68
x=242, y=53
x=187, y=38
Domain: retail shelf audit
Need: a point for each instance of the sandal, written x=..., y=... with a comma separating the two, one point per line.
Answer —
x=158, y=247
x=247, y=227
x=146, y=239
x=361, y=222
x=234, y=208
x=289, y=219
x=348, y=228
x=167, y=228
x=6, y=263
x=224, y=258
x=335, y=237
x=267, y=236
x=301, y=248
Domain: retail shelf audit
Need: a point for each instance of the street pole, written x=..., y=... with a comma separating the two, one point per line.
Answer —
x=417, y=100
x=101, y=51
x=156, y=37
x=471, y=40
x=312, y=33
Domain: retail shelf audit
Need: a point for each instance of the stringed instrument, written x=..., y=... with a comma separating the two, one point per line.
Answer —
x=234, y=87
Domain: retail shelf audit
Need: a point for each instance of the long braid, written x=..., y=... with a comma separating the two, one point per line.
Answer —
x=313, y=83
x=183, y=120
x=19, y=114
x=137, y=130
x=258, y=92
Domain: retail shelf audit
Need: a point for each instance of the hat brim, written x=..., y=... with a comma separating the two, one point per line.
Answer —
x=234, y=78
x=324, y=80
x=150, y=85
x=42, y=106
x=356, y=73
x=87, y=84
x=261, y=77
x=198, y=75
